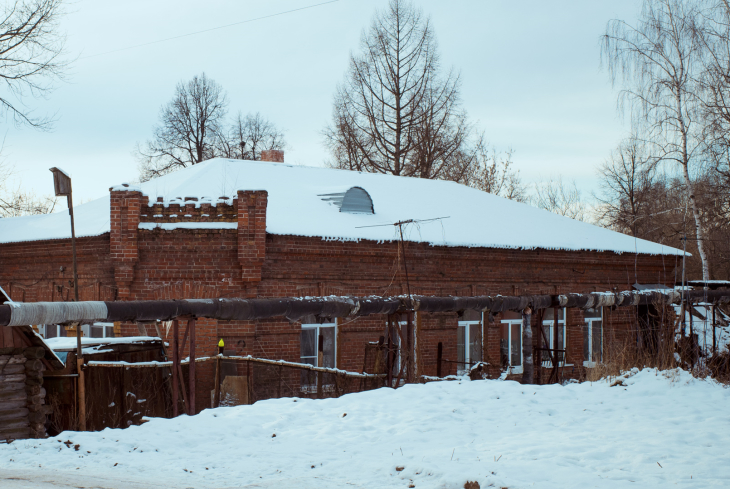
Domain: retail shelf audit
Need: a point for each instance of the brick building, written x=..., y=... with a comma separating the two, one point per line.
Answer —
x=232, y=228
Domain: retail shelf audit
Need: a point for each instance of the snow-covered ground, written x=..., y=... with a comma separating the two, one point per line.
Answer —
x=653, y=429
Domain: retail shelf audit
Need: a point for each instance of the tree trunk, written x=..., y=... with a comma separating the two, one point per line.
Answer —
x=527, y=363
x=699, y=228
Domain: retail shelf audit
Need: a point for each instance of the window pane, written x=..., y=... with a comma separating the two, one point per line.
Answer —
x=596, y=343
x=586, y=342
x=475, y=343
x=561, y=338
x=460, y=352
x=51, y=330
x=109, y=331
x=516, y=353
x=328, y=335
x=309, y=343
x=97, y=331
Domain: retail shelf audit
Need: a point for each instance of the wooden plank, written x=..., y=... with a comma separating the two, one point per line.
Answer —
x=14, y=434
x=12, y=359
x=17, y=368
x=8, y=335
x=13, y=378
x=18, y=414
x=21, y=341
x=11, y=386
x=9, y=405
x=15, y=395
x=10, y=425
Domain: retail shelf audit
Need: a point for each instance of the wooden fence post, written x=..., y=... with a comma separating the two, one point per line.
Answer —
x=175, y=367
x=439, y=356
x=191, y=372
x=320, y=361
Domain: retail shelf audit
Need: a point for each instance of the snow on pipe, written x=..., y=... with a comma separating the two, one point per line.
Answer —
x=19, y=313
x=22, y=314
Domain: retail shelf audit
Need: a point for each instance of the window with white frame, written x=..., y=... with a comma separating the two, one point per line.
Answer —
x=593, y=337
x=469, y=341
x=98, y=330
x=312, y=334
x=548, y=325
x=510, y=341
x=51, y=330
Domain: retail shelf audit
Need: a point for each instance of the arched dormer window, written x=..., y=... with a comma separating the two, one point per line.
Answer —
x=355, y=200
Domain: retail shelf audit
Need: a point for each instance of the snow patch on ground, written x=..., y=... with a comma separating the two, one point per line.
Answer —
x=645, y=429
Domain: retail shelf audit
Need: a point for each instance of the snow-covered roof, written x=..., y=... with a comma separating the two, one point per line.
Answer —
x=469, y=217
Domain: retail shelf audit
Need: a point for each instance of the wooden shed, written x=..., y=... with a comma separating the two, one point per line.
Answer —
x=116, y=397
x=25, y=359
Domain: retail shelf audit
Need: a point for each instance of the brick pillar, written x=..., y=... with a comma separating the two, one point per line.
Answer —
x=251, y=209
x=124, y=215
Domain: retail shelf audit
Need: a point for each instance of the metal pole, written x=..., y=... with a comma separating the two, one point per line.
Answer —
x=191, y=372
x=405, y=265
x=714, y=336
x=175, y=366
x=79, y=351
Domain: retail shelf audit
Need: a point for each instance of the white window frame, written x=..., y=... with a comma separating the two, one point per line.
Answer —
x=312, y=388
x=513, y=369
x=467, y=325
x=547, y=326
x=589, y=324
x=86, y=329
x=316, y=340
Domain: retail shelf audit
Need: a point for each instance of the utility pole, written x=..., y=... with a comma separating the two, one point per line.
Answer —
x=62, y=187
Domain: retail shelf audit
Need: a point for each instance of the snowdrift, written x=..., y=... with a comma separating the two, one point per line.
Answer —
x=646, y=429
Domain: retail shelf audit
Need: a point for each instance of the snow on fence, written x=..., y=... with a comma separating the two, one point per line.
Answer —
x=247, y=379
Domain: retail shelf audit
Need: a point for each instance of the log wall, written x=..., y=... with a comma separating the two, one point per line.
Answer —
x=23, y=409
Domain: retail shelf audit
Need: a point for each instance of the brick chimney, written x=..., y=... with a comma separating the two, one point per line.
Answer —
x=273, y=155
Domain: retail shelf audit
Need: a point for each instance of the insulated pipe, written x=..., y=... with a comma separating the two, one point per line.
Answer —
x=17, y=313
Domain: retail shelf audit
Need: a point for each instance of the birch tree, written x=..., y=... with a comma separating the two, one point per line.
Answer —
x=657, y=63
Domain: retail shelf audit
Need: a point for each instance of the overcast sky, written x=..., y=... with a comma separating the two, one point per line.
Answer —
x=530, y=71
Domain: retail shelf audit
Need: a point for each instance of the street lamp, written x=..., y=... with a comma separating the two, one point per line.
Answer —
x=62, y=186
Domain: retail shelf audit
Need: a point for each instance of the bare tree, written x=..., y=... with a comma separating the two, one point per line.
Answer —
x=248, y=136
x=493, y=173
x=395, y=113
x=627, y=181
x=31, y=49
x=658, y=62
x=16, y=202
x=560, y=198
x=188, y=130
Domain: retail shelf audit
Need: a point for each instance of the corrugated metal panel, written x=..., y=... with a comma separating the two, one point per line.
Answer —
x=354, y=201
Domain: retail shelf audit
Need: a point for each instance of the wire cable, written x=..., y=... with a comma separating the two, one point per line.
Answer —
x=209, y=30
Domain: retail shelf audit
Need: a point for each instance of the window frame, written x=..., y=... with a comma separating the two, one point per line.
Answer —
x=547, y=325
x=316, y=340
x=588, y=324
x=513, y=369
x=467, y=325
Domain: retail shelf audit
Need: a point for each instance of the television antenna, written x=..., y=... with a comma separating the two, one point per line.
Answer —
x=400, y=225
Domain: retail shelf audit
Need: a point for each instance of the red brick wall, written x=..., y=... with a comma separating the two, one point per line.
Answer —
x=247, y=262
